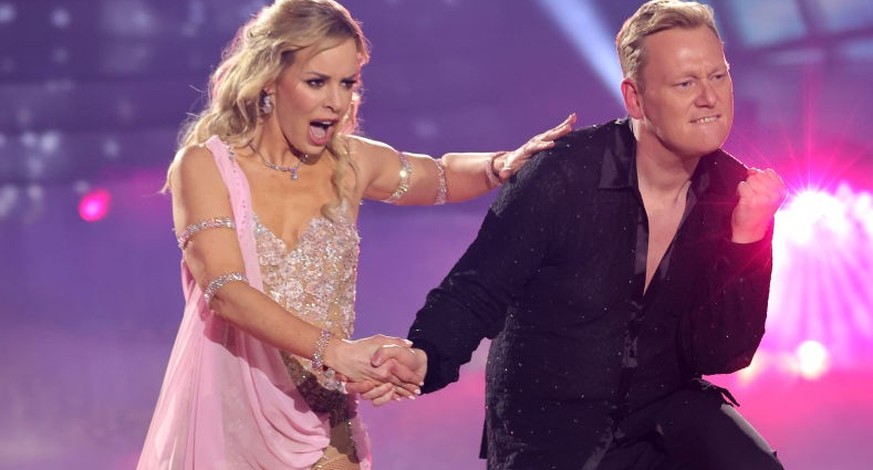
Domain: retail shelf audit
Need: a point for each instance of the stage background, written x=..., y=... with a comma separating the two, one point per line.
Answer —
x=92, y=94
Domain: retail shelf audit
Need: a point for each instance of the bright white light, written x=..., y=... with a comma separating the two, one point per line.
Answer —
x=49, y=141
x=7, y=13
x=811, y=212
x=60, y=18
x=812, y=359
x=587, y=31
x=822, y=273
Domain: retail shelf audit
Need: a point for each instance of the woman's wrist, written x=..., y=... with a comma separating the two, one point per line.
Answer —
x=324, y=355
x=492, y=169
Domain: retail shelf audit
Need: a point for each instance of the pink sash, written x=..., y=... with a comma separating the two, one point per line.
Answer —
x=227, y=401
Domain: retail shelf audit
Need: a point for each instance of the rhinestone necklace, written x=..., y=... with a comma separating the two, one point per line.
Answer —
x=291, y=170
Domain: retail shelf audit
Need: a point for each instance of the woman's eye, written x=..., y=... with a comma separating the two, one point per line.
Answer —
x=315, y=83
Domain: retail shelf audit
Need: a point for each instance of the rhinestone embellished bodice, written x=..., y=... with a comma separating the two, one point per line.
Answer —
x=316, y=281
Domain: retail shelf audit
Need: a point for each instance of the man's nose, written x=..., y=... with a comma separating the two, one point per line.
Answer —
x=707, y=96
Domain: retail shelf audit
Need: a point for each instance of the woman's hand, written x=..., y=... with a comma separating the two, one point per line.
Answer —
x=352, y=359
x=402, y=362
x=509, y=163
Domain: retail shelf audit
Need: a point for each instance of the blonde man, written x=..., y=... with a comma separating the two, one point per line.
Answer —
x=615, y=272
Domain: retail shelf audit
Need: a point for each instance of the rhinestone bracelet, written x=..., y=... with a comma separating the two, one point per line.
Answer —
x=320, y=348
x=443, y=186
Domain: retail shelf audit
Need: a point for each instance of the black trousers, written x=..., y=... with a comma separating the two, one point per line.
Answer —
x=690, y=430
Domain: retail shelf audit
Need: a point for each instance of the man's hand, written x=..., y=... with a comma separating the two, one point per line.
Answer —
x=760, y=194
x=352, y=359
x=405, y=368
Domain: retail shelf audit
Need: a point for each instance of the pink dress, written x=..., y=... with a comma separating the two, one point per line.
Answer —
x=228, y=400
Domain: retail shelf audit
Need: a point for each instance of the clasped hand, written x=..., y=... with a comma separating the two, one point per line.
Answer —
x=381, y=368
x=760, y=196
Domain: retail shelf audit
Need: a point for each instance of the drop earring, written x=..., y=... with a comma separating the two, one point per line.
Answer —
x=266, y=104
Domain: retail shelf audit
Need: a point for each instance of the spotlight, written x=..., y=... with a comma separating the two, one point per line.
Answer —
x=813, y=214
x=94, y=205
x=822, y=273
x=812, y=358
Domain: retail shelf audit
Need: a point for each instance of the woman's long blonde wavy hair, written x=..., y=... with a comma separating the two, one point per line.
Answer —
x=256, y=57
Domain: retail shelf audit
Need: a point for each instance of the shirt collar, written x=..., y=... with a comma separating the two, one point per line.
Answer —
x=718, y=171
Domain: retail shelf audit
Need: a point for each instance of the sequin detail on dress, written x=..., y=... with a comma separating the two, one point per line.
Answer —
x=315, y=279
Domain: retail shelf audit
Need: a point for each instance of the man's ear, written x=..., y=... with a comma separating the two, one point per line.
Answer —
x=632, y=95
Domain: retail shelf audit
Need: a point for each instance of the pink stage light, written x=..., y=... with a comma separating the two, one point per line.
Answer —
x=812, y=359
x=811, y=214
x=821, y=298
x=94, y=205
x=760, y=363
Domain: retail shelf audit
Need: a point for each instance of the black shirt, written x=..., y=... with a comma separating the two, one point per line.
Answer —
x=556, y=277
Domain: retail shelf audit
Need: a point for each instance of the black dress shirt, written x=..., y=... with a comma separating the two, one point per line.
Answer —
x=556, y=278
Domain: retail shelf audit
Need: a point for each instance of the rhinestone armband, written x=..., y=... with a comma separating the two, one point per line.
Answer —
x=405, y=175
x=220, y=281
x=215, y=222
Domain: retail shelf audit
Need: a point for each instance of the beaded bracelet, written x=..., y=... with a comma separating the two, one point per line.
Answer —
x=443, y=186
x=405, y=175
x=320, y=348
x=219, y=282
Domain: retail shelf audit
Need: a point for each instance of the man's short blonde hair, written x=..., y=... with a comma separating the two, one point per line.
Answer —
x=652, y=17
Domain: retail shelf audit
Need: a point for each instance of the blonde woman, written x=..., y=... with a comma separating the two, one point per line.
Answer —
x=266, y=188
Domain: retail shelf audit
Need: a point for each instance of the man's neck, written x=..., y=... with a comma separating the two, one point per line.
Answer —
x=661, y=172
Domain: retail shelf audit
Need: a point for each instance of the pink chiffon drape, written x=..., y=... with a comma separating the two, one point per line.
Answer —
x=227, y=401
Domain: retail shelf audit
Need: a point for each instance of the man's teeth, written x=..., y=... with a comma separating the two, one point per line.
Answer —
x=705, y=120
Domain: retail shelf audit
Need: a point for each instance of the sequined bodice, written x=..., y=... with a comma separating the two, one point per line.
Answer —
x=315, y=280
